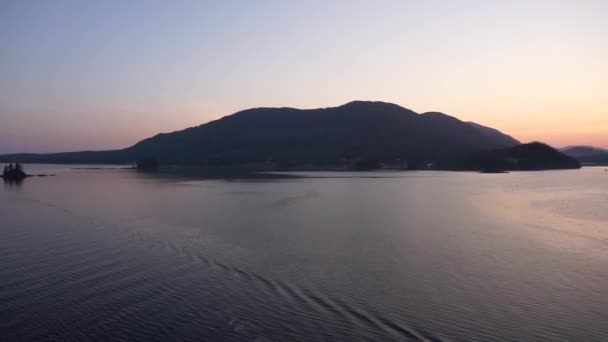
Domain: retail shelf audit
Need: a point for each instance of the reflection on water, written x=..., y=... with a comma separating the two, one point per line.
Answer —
x=10, y=183
x=567, y=217
x=110, y=254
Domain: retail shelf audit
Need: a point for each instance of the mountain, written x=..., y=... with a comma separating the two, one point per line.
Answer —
x=587, y=154
x=356, y=130
x=524, y=157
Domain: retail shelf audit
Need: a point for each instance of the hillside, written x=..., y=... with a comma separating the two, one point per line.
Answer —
x=524, y=157
x=587, y=154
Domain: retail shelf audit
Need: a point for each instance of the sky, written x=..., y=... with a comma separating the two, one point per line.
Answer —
x=91, y=75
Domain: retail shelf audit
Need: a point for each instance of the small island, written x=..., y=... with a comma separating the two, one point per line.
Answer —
x=13, y=172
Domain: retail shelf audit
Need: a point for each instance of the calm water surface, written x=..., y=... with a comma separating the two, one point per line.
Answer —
x=112, y=255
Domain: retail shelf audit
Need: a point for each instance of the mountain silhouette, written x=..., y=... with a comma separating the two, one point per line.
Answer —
x=356, y=130
x=587, y=154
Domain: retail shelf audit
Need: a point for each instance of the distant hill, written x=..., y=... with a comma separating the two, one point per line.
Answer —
x=356, y=130
x=587, y=154
x=524, y=157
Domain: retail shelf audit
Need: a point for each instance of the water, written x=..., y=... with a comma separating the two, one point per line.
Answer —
x=110, y=254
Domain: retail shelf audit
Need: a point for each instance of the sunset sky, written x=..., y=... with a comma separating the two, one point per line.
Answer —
x=78, y=75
